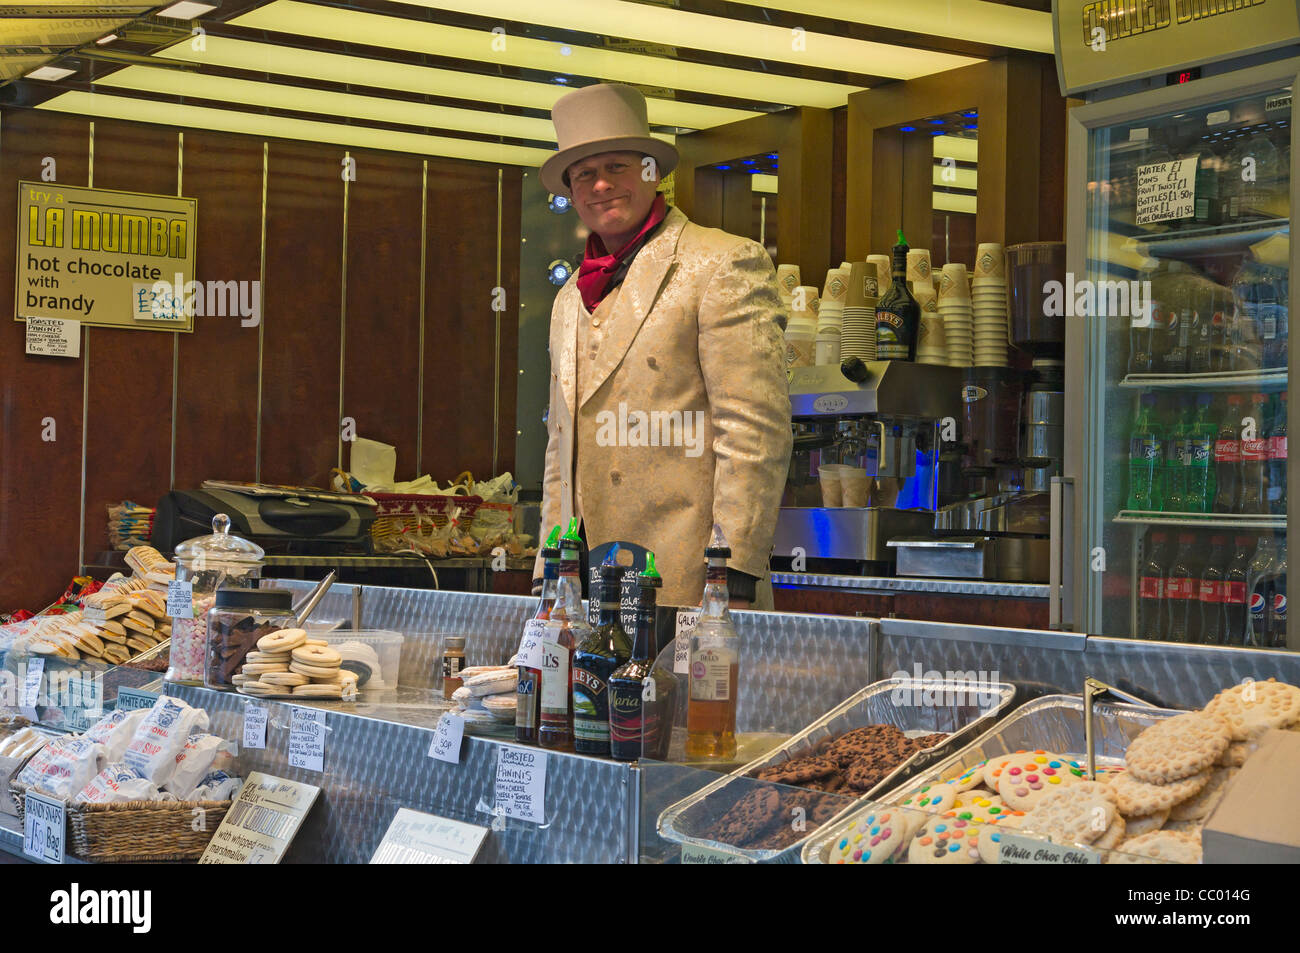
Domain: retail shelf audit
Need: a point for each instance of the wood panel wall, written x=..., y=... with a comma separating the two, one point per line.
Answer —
x=333, y=343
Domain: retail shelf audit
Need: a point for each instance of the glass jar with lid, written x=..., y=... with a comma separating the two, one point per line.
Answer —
x=220, y=561
x=237, y=619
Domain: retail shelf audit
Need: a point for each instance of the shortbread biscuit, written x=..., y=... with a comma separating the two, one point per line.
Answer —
x=1253, y=707
x=1137, y=825
x=1200, y=805
x=1177, y=747
x=1162, y=846
x=1078, y=813
x=1137, y=798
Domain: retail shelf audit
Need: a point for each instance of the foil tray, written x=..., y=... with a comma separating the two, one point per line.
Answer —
x=1052, y=722
x=981, y=704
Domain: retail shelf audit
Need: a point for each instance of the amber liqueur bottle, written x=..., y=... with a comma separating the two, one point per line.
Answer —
x=594, y=661
x=714, y=665
x=528, y=712
x=898, y=316
x=566, y=628
x=641, y=694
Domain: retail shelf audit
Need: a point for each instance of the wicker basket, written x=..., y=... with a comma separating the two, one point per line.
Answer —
x=136, y=832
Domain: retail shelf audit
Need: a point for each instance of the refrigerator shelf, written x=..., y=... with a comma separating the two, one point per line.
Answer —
x=1228, y=521
x=1269, y=380
x=1203, y=241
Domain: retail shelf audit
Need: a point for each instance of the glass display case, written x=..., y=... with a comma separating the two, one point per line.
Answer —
x=1178, y=295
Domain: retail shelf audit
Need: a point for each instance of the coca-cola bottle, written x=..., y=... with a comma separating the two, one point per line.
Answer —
x=1277, y=459
x=1236, y=606
x=1151, y=588
x=1211, y=623
x=1253, y=495
x=1259, y=584
x=1227, y=458
x=1182, y=587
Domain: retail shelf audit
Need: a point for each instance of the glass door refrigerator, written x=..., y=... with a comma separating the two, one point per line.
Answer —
x=1180, y=195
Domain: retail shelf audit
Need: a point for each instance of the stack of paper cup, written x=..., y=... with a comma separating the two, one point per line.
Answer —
x=854, y=484
x=787, y=279
x=989, y=306
x=918, y=269
x=955, y=309
x=931, y=343
x=801, y=332
x=884, y=266
x=858, y=333
x=828, y=474
x=830, y=316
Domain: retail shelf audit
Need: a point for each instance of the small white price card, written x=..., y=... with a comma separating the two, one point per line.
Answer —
x=180, y=599
x=32, y=682
x=44, y=827
x=530, y=646
x=307, y=739
x=53, y=337
x=686, y=621
x=1018, y=849
x=418, y=838
x=447, y=738
x=521, y=783
x=255, y=727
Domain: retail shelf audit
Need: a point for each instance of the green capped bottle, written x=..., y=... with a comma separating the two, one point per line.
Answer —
x=594, y=661
x=565, y=629
x=641, y=694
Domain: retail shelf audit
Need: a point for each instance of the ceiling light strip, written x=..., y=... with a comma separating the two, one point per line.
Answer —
x=672, y=27
x=345, y=69
x=177, y=115
x=351, y=26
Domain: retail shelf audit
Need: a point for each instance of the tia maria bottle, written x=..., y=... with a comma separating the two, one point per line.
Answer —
x=594, y=661
x=641, y=694
x=528, y=692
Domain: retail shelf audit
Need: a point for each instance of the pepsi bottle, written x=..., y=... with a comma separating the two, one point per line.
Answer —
x=1277, y=611
x=1259, y=584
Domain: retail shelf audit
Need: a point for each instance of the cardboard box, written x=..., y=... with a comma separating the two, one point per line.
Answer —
x=1256, y=822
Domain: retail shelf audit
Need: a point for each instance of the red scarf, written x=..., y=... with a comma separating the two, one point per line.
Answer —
x=598, y=268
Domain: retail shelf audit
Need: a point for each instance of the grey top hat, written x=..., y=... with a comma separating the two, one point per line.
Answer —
x=608, y=117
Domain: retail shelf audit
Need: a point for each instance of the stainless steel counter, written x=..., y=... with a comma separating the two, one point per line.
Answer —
x=954, y=587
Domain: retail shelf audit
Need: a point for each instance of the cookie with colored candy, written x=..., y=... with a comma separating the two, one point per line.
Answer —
x=1027, y=778
x=945, y=840
x=1177, y=747
x=975, y=806
x=1173, y=847
x=972, y=777
x=990, y=836
x=872, y=839
x=1137, y=798
x=932, y=798
x=993, y=768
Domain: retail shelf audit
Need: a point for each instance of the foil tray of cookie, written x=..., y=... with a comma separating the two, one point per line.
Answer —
x=959, y=709
x=1052, y=722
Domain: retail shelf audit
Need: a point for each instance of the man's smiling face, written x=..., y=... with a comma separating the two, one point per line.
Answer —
x=612, y=196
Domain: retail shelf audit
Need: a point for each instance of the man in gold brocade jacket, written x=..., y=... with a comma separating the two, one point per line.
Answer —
x=669, y=405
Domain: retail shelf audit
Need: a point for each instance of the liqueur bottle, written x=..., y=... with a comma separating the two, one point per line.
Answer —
x=565, y=628
x=528, y=702
x=897, y=314
x=714, y=659
x=641, y=695
x=594, y=661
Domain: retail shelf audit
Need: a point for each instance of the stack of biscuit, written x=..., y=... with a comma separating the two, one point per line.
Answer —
x=287, y=663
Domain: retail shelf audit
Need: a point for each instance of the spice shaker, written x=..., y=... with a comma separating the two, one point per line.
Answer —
x=453, y=660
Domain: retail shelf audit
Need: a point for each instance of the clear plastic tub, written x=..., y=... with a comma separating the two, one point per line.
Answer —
x=374, y=654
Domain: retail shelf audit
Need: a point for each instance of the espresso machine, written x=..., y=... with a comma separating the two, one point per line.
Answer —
x=891, y=425
x=1010, y=447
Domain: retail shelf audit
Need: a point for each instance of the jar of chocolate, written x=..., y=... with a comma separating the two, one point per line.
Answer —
x=237, y=619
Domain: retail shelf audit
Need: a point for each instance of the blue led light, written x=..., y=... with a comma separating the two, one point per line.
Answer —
x=725, y=168
x=935, y=122
x=971, y=114
x=907, y=129
x=971, y=125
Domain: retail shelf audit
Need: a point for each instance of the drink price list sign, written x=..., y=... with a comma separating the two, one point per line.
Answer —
x=1166, y=190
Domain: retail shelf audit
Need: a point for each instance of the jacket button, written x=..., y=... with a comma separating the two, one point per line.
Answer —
x=595, y=322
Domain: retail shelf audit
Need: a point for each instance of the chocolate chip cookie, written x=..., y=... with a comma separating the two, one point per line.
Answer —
x=799, y=770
